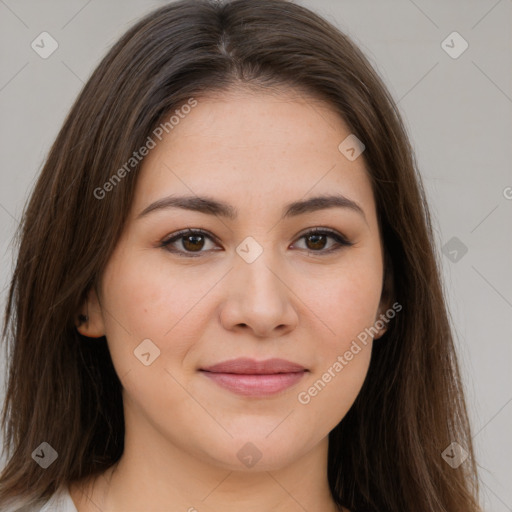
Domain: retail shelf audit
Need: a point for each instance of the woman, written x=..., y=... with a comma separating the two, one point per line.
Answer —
x=227, y=293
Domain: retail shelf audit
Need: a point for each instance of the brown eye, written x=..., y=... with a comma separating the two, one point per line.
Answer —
x=193, y=242
x=189, y=242
x=317, y=240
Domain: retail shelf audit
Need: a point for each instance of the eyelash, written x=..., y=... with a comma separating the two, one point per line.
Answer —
x=340, y=241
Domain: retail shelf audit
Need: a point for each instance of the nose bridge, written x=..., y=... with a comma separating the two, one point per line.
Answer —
x=258, y=269
x=257, y=296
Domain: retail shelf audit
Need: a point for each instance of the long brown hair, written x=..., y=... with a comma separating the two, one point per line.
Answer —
x=385, y=455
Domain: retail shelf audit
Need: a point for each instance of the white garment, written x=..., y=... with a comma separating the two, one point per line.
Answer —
x=59, y=502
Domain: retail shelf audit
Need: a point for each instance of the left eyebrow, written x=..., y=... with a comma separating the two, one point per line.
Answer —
x=210, y=206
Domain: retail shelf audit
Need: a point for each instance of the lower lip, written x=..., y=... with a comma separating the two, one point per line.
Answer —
x=255, y=385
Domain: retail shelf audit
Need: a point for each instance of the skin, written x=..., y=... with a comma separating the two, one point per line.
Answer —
x=257, y=152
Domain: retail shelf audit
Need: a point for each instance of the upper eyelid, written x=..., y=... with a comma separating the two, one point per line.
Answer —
x=189, y=231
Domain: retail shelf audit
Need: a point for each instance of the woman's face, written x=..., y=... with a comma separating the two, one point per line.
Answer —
x=256, y=284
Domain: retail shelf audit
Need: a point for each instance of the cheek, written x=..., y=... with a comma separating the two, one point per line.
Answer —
x=348, y=301
x=348, y=307
x=144, y=300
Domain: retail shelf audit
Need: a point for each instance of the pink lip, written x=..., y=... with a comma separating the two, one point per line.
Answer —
x=249, y=377
x=244, y=365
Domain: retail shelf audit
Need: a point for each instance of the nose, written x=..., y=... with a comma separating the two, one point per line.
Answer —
x=259, y=298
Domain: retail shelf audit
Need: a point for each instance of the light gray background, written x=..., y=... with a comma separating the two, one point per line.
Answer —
x=457, y=111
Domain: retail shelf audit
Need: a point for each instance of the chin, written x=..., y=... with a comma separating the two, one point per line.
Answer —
x=256, y=453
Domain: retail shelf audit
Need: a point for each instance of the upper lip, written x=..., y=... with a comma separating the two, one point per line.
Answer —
x=244, y=365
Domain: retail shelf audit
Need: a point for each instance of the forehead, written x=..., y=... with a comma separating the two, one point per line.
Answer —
x=244, y=146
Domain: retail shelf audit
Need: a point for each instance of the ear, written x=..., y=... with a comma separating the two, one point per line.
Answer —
x=386, y=298
x=381, y=323
x=89, y=319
